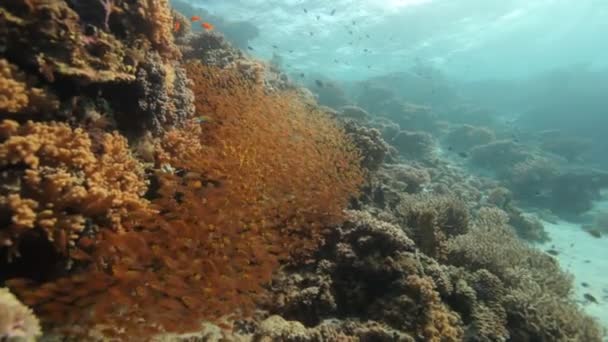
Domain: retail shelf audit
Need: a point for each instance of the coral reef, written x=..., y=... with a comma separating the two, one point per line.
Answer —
x=465, y=137
x=330, y=94
x=158, y=184
x=63, y=185
x=370, y=268
x=354, y=112
x=48, y=36
x=530, y=279
x=572, y=148
x=414, y=145
x=499, y=155
x=275, y=174
x=211, y=48
x=19, y=94
x=369, y=141
x=431, y=220
x=165, y=100
x=17, y=322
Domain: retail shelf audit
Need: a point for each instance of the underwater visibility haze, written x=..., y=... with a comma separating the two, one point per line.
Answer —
x=303, y=170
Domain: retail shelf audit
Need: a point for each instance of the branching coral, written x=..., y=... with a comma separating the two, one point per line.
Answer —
x=438, y=323
x=369, y=141
x=536, y=296
x=432, y=220
x=18, y=93
x=164, y=97
x=414, y=145
x=211, y=48
x=65, y=182
x=354, y=112
x=464, y=137
x=48, y=35
x=159, y=24
x=17, y=322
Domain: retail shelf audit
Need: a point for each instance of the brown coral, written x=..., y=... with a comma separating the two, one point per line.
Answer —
x=48, y=35
x=432, y=220
x=536, y=296
x=438, y=323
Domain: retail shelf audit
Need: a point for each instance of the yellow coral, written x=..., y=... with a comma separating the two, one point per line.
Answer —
x=17, y=93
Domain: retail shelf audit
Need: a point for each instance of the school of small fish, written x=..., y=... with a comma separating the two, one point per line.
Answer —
x=195, y=18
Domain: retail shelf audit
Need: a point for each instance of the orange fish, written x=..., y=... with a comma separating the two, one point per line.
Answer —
x=176, y=26
x=195, y=18
x=207, y=26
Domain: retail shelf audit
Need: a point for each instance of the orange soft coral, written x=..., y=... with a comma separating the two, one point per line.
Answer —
x=18, y=93
x=61, y=180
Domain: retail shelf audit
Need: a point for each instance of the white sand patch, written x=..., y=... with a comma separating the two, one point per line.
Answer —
x=586, y=257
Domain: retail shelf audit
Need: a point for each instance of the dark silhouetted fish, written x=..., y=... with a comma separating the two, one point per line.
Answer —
x=275, y=47
x=305, y=10
x=302, y=74
x=318, y=17
x=463, y=154
x=319, y=83
x=590, y=298
x=333, y=11
x=249, y=48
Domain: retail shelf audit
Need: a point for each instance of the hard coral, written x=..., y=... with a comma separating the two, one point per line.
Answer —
x=17, y=322
x=414, y=145
x=465, y=137
x=48, y=35
x=211, y=48
x=164, y=100
x=535, y=295
x=432, y=220
x=18, y=93
x=369, y=141
x=65, y=182
x=156, y=14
